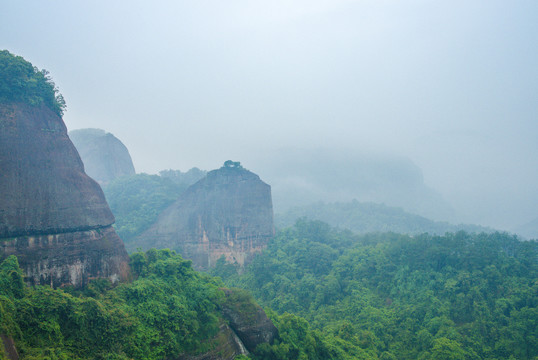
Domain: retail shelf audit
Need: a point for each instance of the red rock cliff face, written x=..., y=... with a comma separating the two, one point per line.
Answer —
x=52, y=215
x=228, y=213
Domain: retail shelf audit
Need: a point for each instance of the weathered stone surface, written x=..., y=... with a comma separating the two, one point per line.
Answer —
x=69, y=258
x=9, y=349
x=226, y=346
x=104, y=156
x=43, y=187
x=53, y=216
x=248, y=321
x=228, y=213
x=248, y=327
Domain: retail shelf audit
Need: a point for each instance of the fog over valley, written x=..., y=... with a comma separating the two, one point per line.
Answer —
x=427, y=106
x=269, y=180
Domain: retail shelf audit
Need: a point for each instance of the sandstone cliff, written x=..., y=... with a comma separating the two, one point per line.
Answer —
x=228, y=213
x=247, y=319
x=52, y=215
x=105, y=157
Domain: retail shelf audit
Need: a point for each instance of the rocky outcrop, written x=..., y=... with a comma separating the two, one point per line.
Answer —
x=53, y=217
x=8, y=348
x=43, y=187
x=105, y=157
x=70, y=258
x=225, y=346
x=228, y=213
x=247, y=319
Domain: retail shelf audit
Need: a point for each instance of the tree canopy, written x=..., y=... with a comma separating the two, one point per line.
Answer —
x=392, y=296
x=20, y=81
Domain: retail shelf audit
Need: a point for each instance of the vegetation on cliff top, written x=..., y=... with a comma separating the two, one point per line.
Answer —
x=20, y=81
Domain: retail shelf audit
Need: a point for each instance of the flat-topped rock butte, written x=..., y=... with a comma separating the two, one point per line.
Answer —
x=228, y=213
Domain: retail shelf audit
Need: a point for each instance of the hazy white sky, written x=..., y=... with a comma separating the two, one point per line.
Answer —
x=453, y=85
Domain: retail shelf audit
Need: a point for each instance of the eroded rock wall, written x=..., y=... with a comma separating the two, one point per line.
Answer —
x=43, y=187
x=53, y=216
x=228, y=213
x=71, y=258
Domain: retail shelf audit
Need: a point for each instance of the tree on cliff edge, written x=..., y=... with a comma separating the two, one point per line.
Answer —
x=21, y=81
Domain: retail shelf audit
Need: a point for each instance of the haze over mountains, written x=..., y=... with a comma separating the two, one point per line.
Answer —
x=449, y=85
x=375, y=116
x=356, y=191
x=301, y=177
x=105, y=157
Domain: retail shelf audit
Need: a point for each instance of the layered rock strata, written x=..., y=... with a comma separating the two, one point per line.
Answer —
x=53, y=217
x=228, y=213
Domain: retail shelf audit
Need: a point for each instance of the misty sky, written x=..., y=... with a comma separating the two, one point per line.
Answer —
x=453, y=85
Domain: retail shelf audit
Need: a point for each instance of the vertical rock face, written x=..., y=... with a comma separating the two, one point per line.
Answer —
x=248, y=320
x=105, y=157
x=228, y=213
x=53, y=217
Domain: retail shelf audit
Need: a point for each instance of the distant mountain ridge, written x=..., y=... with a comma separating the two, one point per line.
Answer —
x=368, y=217
x=302, y=176
x=528, y=230
x=53, y=216
x=104, y=156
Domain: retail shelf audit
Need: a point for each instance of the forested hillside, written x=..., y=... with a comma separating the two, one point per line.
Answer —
x=366, y=217
x=458, y=296
x=168, y=311
x=137, y=200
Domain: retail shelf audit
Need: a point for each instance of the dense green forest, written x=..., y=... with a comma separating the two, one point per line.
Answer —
x=168, y=310
x=366, y=217
x=457, y=296
x=23, y=82
x=333, y=295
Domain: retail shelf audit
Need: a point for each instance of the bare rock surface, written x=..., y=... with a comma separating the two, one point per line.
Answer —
x=225, y=346
x=53, y=216
x=71, y=258
x=104, y=156
x=248, y=320
x=43, y=187
x=228, y=213
x=9, y=349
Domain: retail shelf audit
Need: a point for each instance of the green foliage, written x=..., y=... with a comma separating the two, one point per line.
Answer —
x=232, y=164
x=364, y=217
x=136, y=201
x=168, y=310
x=457, y=296
x=22, y=82
x=183, y=178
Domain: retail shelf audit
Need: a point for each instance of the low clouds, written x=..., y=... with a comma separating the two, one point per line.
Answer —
x=451, y=86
